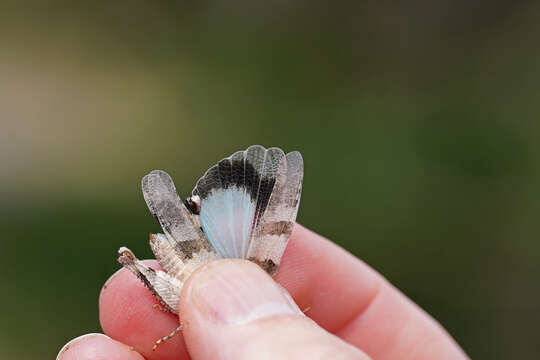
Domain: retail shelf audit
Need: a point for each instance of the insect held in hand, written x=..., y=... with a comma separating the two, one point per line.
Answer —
x=243, y=207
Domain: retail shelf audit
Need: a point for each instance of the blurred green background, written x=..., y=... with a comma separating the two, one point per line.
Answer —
x=418, y=122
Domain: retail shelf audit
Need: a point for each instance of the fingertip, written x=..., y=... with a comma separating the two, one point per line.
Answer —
x=234, y=291
x=127, y=314
x=96, y=347
x=232, y=309
x=220, y=298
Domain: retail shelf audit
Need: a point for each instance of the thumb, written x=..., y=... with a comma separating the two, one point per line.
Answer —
x=231, y=309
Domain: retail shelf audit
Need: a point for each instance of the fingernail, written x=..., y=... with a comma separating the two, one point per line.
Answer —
x=73, y=342
x=96, y=347
x=237, y=292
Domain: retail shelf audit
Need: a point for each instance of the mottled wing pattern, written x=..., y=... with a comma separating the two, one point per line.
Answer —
x=176, y=263
x=183, y=247
x=275, y=227
x=234, y=195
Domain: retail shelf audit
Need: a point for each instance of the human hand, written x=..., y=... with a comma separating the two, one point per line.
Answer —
x=231, y=309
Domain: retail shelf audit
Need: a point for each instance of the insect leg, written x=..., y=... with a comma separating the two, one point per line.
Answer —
x=166, y=289
x=165, y=338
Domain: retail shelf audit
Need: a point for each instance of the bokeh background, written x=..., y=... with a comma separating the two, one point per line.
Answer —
x=418, y=122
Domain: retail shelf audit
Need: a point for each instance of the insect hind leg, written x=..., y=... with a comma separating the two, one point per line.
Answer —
x=165, y=288
x=165, y=338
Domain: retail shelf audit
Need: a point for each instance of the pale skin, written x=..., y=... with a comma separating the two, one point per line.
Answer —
x=353, y=313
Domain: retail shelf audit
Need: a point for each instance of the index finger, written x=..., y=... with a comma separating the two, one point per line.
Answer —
x=348, y=298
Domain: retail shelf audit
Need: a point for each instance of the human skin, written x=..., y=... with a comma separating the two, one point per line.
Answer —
x=231, y=309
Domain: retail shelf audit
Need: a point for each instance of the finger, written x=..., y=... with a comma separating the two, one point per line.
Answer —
x=127, y=314
x=344, y=295
x=96, y=347
x=348, y=298
x=322, y=277
x=233, y=310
